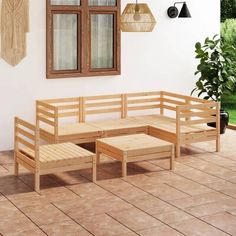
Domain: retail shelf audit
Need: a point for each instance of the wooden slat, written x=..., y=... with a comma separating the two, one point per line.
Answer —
x=43, y=104
x=161, y=155
x=25, y=133
x=25, y=143
x=124, y=106
x=147, y=100
x=76, y=148
x=175, y=102
x=209, y=106
x=60, y=100
x=68, y=114
x=68, y=107
x=145, y=107
x=184, y=97
x=103, y=104
x=162, y=134
x=100, y=111
x=143, y=94
x=26, y=165
x=25, y=124
x=199, y=121
x=169, y=107
x=26, y=159
x=65, y=152
x=198, y=137
x=46, y=156
x=45, y=170
x=198, y=114
x=46, y=120
x=103, y=97
x=55, y=154
x=46, y=113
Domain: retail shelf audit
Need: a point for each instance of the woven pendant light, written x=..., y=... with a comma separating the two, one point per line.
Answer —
x=137, y=18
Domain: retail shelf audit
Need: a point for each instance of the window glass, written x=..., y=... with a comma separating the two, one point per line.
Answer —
x=65, y=46
x=102, y=38
x=102, y=2
x=65, y=2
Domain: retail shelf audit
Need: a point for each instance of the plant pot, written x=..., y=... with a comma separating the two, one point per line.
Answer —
x=224, y=120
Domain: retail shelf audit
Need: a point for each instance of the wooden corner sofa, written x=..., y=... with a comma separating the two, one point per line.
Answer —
x=169, y=116
x=47, y=159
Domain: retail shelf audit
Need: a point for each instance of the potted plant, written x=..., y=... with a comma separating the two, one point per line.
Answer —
x=216, y=72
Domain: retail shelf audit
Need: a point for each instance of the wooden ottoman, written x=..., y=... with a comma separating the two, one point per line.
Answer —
x=136, y=147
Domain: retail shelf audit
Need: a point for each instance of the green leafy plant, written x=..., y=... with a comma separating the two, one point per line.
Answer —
x=216, y=69
x=228, y=37
x=228, y=9
x=228, y=31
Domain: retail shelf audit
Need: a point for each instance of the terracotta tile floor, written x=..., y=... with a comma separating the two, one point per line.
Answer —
x=197, y=198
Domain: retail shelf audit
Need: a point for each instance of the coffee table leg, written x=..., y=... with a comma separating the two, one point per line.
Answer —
x=172, y=158
x=98, y=157
x=94, y=169
x=124, y=168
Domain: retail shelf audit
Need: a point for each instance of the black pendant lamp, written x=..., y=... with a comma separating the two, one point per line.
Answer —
x=173, y=11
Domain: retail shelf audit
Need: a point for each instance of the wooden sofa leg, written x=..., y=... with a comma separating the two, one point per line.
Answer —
x=16, y=168
x=177, y=150
x=37, y=182
x=124, y=168
x=98, y=157
x=172, y=158
x=217, y=144
x=94, y=169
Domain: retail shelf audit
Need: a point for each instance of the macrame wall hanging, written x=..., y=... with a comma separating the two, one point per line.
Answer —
x=13, y=27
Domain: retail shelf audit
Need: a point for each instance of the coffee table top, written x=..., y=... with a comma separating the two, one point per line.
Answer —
x=134, y=142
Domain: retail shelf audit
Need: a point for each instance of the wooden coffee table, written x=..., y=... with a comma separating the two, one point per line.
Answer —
x=136, y=147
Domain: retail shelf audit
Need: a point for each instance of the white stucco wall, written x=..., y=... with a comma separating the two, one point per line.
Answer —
x=163, y=59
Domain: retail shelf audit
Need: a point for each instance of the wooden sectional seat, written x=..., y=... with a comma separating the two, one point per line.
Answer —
x=60, y=120
x=164, y=128
x=119, y=127
x=47, y=159
x=75, y=133
x=112, y=107
x=176, y=118
x=181, y=119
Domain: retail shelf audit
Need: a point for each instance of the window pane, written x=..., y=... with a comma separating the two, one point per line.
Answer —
x=65, y=42
x=102, y=39
x=102, y=2
x=65, y=2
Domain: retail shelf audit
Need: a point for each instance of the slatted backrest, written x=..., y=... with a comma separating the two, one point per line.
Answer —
x=26, y=138
x=55, y=112
x=170, y=101
x=100, y=105
x=139, y=102
x=66, y=107
x=47, y=114
x=178, y=99
x=198, y=113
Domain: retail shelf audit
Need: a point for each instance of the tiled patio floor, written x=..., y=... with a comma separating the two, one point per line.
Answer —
x=197, y=198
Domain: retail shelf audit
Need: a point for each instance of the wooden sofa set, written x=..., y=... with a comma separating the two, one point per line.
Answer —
x=107, y=120
x=172, y=117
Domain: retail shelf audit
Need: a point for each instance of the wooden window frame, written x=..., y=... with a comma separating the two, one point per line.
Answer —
x=84, y=41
